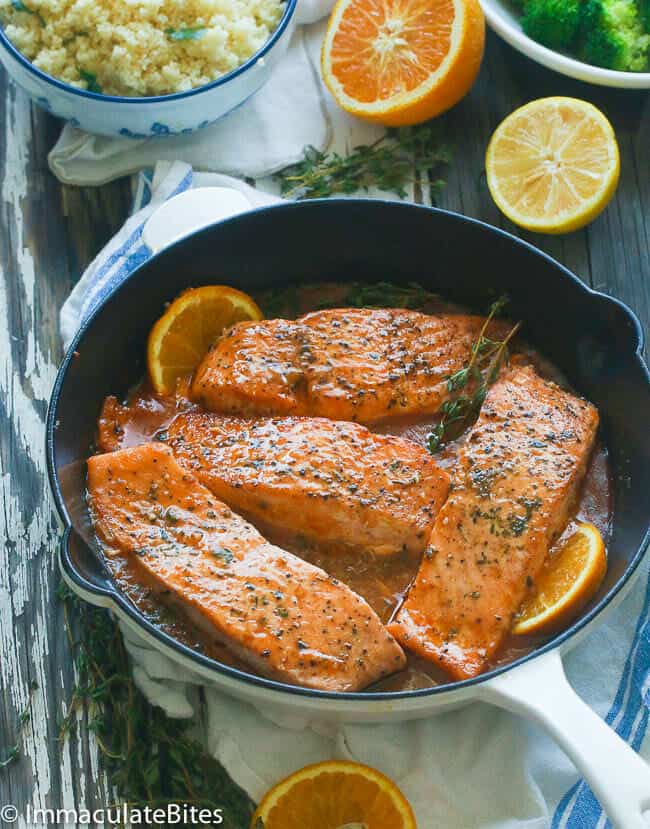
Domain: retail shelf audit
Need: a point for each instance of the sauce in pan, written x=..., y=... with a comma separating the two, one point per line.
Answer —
x=381, y=580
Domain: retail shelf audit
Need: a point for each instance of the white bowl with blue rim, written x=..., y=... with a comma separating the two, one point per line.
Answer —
x=160, y=115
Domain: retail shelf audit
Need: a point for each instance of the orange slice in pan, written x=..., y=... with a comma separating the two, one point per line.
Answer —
x=569, y=580
x=192, y=322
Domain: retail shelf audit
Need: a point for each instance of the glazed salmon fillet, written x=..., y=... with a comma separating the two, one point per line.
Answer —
x=351, y=364
x=513, y=494
x=285, y=618
x=334, y=482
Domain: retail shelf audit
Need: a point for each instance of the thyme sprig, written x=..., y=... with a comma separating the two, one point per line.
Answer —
x=389, y=295
x=150, y=759
x=393, y=161
x=486, y=360
x=23, y=718
x=411, y=295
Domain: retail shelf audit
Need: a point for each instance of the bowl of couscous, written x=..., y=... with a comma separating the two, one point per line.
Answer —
x=143, y=68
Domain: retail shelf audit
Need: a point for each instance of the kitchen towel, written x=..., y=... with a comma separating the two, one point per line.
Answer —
x=270, y=131
x=475, y=768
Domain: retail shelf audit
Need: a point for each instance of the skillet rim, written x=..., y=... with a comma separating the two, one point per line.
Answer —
x=126, y=606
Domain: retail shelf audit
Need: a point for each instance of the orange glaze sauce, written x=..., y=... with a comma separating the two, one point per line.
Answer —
x=381, y=580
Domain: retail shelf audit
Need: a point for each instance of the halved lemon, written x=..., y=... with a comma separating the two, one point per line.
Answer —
x=569, y=580
x=335, y=794
x=553, y=165
x=400, y=62
x=192, y=322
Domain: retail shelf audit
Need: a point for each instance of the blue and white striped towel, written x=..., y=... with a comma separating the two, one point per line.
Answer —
x=127, y=250
x=475, y=768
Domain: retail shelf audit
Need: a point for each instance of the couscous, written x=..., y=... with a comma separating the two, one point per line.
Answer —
x=139, y=47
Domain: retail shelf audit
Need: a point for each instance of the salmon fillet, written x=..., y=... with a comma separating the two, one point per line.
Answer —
x=513, y=493
x=352, y=364
x=285, y=618
x=334, y=482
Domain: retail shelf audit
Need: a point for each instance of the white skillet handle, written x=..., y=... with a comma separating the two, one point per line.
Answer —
x=618, y=777
x=190, y=211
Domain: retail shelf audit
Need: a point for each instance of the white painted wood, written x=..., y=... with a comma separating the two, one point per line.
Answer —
x=33, y=645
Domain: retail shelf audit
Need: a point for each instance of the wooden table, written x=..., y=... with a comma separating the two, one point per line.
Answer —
x=48, y=234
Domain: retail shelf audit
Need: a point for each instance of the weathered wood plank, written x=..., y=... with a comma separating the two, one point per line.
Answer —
x=620, y=241
x=606, y=253
x=37, y=271
x=48, y=233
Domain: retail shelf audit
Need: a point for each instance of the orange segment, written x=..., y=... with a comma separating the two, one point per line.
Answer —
x=401, y=62
x=194, y=320
x=571, y=577
x=335, y=794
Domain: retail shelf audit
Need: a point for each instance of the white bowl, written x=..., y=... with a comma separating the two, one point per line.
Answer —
x=180, y=113
x=503, y=17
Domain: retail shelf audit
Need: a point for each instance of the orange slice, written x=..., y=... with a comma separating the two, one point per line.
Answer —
x=569, y=580
x=334, y=795
x=194, y=320
x=401, y=62
x=553, y=165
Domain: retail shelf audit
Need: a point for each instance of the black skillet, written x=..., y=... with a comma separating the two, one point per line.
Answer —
x=594, y=339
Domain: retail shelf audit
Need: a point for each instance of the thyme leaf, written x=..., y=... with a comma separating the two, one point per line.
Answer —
x=388, y=295
x=19, y=6
x=91, y=80
x=150, y=759
x=392, y=162
x=412, y=295
x=195, y=33
x=487, y=357
x=23, y=718
x=224, y=554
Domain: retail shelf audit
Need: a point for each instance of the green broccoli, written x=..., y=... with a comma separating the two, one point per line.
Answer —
x=553, y=23
x=612, y=35
x=644, y=14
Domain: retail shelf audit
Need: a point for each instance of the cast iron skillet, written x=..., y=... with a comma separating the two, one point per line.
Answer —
x=594, y=339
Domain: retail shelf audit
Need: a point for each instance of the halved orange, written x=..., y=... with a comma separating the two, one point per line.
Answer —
x=569, y=580
x=400, y=62
x=336, y=794
x=192, y=322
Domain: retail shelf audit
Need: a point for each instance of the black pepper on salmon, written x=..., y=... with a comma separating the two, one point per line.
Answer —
x=515, y=489
x=354, y=364
x=285, y=618
x=331, y=482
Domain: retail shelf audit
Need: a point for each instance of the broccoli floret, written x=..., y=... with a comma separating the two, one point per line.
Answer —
x=613, y=36
x=644, y=14
x=553, y=23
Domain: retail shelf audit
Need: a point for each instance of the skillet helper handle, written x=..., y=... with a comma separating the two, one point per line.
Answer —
x=540, y=691
x=190, y=211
